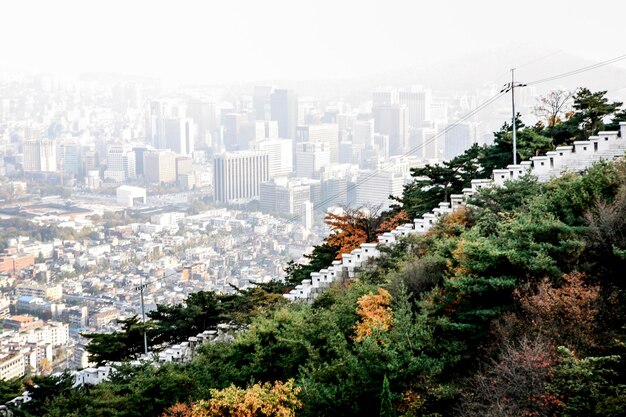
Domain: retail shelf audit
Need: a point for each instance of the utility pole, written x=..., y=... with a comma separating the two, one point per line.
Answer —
x=140, y=287
x=511, y=87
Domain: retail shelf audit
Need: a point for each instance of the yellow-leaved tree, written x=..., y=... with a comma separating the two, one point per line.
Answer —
x=259, y=400
x=375, y=313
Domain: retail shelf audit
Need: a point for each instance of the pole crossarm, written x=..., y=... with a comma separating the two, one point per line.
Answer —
x=511, y=87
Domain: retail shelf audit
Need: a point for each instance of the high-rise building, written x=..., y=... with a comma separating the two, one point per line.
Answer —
x=179, y=134
x=155, y=129
x=120, y=163
x=204, y=115
x=429, y=143
x=233, y=126
x=374, y=189
x=40, y=155
x=285, y=196
x=70, y=161
x=261, y=101
x=418, y=104
x=363, y=133
x=184, y=165
x=311, y=157
x=91, y=160
x=156, y=114
x=280, y=155
x=284, y=109
x=384, y=97
x=139, y=151
x=324, y=133
x=159, y=166
x=238, y=175
x=271, y=129
x=457, y=140
x=392, y=120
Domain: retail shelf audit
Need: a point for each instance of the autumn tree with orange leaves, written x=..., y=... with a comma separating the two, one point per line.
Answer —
x=356, y=226
x=565, y=314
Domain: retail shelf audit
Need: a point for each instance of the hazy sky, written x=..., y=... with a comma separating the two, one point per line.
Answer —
x=242, y=40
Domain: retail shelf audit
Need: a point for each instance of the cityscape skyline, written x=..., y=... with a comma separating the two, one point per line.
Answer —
x=206, y=146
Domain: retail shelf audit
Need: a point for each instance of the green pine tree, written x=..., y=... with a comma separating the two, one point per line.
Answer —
x=386, y=407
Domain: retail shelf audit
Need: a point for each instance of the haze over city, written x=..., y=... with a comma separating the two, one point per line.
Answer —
x=316, y=208
x=238, y=41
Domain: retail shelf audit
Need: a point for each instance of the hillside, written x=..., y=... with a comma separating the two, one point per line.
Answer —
x=512, y=305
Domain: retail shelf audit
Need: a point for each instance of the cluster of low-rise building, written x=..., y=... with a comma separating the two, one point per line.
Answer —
x=86, y=284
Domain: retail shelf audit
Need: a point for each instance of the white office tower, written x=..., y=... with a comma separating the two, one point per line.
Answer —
x=93, y=179
x=418, y=103
x=159, y=166
x=157, y=112
x=40, y=155
x=311, y=158
x=120, y=163
x=308, y=215
x=179, y=135
x=323, y=133
x=458, y=139
x=384, y=97
x=238, y=175
x=280, y=152
x=374, y=189
x=282, y=195
x=271, y=129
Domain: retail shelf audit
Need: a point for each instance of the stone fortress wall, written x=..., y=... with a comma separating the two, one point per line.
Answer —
x=575, y=158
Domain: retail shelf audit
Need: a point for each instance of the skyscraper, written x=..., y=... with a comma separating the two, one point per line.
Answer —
x=204, y=115
x=392, y=120
x=321, y=133
x=261, y=101
x=284, y=109
x=179, y=134
x=69, y=153
x=385, y=97
x=280, y=155
x=285, y=196
x=120, y=163
x=40, y=155
x=310, y=158
x=238, y=175
x=159, y=166
x=418, y=104
x=374, y=189
x=233, y=126
x=457, y=140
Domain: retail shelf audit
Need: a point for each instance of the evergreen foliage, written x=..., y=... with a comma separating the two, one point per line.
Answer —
x=512, y=306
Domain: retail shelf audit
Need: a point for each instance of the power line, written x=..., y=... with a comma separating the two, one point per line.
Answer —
x=579, y=70
x=320, y=205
